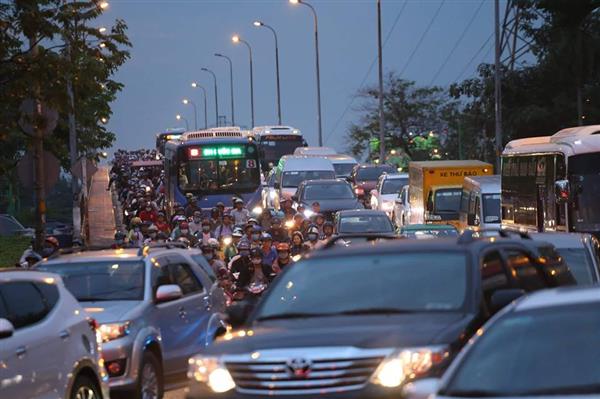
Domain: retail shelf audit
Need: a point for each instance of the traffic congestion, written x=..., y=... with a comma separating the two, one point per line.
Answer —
x=300, y=199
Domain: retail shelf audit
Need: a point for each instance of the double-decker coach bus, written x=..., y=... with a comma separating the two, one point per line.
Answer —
x=553, y=183
x=275, y=142
x=214, y=165
x=169, y=134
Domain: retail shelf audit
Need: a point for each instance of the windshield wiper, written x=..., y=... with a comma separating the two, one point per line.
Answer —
x=378, y=311
x=297, y=315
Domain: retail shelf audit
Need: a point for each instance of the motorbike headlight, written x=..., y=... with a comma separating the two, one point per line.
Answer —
x=227, y=240
x=407, y=364
x=210, y=371
x=289, y=224
x=257, y=210
x=308, y=213
x=112, y=331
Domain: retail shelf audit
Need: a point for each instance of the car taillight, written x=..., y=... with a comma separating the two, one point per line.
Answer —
x=93, y=324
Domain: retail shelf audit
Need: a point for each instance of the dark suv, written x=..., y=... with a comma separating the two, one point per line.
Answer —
x=346, y=323
x=364, y=178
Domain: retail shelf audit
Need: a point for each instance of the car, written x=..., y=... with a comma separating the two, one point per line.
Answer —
x=401, y=211
x=294, y=169
x=425, y=231
x=542, y=346
x=343, y=164
x=342, y=323
x=332, y=195
x=9, y=226
x=48, y=345
x=386, y=191
x=364, y=178
x=156, y=307
x=363, y=221
x=580, y=251
x=269, y=193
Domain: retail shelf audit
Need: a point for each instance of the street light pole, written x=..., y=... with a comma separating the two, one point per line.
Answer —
x=197, y=86
x=262, y=24
x=237, y=39
x=216, y=95
x=187, y=126
x=188, y=101
x=497, y=86
x=380, y=61
x=319, y=119
x=230, y=84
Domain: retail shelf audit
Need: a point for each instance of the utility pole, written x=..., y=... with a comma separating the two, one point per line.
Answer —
x=380, y=62
x=497, y=85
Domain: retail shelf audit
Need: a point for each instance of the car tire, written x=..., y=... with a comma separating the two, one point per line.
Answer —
x=85, y=388
x=150, y=378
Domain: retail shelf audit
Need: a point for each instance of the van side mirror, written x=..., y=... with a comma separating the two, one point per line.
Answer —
x=6, y=329
x=562, y=191
x=503, y=297
x=168, y=292
x=472, y=219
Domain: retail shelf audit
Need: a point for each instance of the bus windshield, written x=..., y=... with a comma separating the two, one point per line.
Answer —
x=219, y=169
x=276, y=146
x=584, y=173
x=491, y=208
x=447, y=200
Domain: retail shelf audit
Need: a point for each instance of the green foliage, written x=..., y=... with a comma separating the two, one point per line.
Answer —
x=11, y=249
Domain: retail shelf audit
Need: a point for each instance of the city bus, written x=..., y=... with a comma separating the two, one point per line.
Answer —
x=275, y=142
x=169, y=134
x=213, y=165
x=552, y=183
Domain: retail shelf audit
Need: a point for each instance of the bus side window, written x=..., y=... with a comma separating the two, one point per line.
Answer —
x=560, y=173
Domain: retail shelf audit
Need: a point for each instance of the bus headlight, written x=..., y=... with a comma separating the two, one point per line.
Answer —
x=212, y=372
x=257, y=210
x=406, y=364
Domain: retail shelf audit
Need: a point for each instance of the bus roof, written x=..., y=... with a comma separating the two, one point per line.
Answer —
x=570, y=141
x=487, y=184
x=302, y=162
x=449, y=164
x=314, y=151
x=275, y=130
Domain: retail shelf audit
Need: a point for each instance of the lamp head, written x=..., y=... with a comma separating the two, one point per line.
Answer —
x=194, y=85
x=258, y=23
x=294, y=1
x=178, y=117
x=235, y=38
x=185, y=101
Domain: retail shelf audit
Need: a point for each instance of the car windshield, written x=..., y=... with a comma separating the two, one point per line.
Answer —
x=372, y=173
x=491, y=208
x=551, y=351
x=447, y=200
x=365, y=224
x=102, y=280
x=429, y=233
x=393, y=186
x=579, y=263
x=293, y=179
x=8, y=225
x=410, y=282
x=343, y=169
x=333, y=191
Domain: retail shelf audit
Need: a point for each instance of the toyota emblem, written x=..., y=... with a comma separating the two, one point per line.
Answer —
x=299, y=367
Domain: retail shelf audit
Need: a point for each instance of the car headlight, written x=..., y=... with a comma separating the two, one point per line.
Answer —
x=257, y=210
x=407, y=364
x=212, y=372
x=308, y=213
x=112, y=331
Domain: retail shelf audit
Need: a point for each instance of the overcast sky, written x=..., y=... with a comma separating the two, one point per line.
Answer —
x=173, y=39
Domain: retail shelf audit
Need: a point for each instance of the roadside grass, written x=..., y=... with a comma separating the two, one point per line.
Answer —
x=11, y=249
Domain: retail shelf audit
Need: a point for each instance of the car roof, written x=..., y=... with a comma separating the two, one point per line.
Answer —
x=368, y=212
x=558, y=297
x=340, y=158
x=394, y=176
x=373, y=165
x=303, y=162
x=416, y=227
x=8, y=275
x=324, y=182
x=563, y=240
x=91, y=256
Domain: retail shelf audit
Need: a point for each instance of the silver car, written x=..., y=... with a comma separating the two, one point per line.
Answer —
x=48, y=344
x=543, y=346
x=156, y=307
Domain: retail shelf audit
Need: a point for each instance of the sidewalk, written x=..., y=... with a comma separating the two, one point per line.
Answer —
x=101, y=216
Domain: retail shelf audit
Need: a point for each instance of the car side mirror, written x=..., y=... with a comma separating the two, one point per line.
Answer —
x=421, y=389
x=6, y=329
x=168, y=292
x=237, y=314
x=562, y=191
x=276, y=185
x=503, y=297
x=472, y=219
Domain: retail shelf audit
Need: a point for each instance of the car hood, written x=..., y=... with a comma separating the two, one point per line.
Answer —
x=335, y=205
x=110, y=311
x=367, y=332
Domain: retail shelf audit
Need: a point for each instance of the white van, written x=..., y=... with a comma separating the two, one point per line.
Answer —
x=312, y=151
x=293, y=170
x=343, y=164
x=480, y=203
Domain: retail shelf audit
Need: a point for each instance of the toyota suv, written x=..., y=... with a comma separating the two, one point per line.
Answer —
x=344, y=323
x=155, y=306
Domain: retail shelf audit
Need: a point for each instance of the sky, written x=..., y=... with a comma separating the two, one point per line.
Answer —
x=173, y=39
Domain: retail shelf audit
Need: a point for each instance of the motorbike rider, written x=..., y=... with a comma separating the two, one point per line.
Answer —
x=205, y=234
x=225, y=228
x=240, y=263
x=162, y=224
x=120, y=240
x=135, y=237
x=278, y=233
x=298, y=247
x=152, y=234
x=319, y=222
x=286, y=208
x=313, y=236
x=191, y=205
x=269, y=253
x=240, y=214
x=217, y=264
x=196, y=223
x=283, y=257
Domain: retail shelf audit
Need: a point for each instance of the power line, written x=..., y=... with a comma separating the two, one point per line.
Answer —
x=473, y=58
x=437, y=12
x=364, y=80
x=461, y=37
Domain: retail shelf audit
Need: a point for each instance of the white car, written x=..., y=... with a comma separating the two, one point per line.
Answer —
x=401, y=212
x=386, y=191
x=48, y=344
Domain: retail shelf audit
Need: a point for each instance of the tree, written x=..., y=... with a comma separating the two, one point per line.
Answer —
x=415, y=128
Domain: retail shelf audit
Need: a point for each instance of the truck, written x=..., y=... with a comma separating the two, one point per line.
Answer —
x=436, y=189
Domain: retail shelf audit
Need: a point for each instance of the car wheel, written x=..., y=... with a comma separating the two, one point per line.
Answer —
x=150, y=379
x=85, y=388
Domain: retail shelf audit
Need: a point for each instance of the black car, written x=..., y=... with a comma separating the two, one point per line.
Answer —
x=332, y=195
x=344, y=323
x=363, y=221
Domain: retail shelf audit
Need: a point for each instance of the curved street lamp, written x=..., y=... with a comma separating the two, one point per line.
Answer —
x=187, y=101
x=236, y=39
x=230, y=84
x=179, y=118
x=197, y=86
x=260, y=24
x=216, y=95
